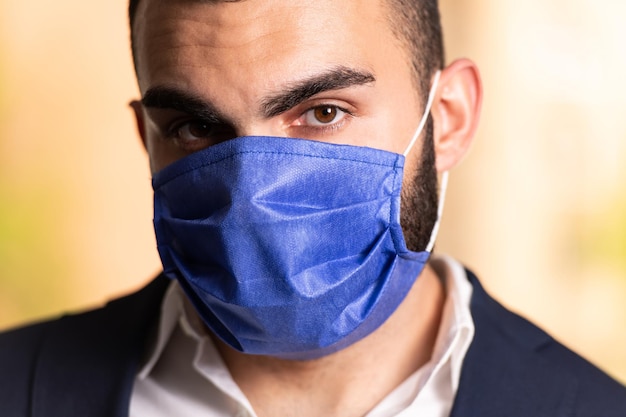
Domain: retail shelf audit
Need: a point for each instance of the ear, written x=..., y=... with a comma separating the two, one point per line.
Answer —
x=139, y=120
x=455, y=112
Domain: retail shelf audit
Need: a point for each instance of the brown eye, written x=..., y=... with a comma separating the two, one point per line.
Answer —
x=196, y=130
x=325, y=114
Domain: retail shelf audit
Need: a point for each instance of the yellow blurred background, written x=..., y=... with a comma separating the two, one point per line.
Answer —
x=538, y=209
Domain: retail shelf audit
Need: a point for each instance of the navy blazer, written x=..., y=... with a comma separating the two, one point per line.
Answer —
x=84, y=365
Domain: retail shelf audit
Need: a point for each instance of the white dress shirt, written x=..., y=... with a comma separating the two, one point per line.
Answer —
x=185, y=375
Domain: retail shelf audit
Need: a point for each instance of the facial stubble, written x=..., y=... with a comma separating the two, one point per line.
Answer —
x=419, y=199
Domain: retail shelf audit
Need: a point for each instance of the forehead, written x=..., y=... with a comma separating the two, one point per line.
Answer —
x=262, y=39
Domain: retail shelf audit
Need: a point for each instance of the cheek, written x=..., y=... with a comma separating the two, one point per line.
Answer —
x=399, y=116
x=390, y=121
x=161, y=152
x=412, y=163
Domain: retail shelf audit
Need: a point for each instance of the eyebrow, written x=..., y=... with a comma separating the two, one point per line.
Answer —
x=333, y=79
x=163, y=97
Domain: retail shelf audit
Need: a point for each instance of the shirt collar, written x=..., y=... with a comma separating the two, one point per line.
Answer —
x=432, y=388
x=171, y=313
x=456, y=331
x=438, y=379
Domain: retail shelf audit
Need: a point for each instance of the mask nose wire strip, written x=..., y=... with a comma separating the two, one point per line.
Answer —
x=429, y=104
x=442, y=198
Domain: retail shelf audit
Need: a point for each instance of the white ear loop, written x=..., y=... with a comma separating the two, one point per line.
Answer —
x=429, y=105
x=444, y=176
x=442, y=198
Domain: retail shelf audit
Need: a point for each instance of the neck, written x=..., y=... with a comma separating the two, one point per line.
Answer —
x=352, y=381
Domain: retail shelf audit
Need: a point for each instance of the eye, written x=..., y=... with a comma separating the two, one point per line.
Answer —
x=194, y=130
x=196, y=134
x=324, y=115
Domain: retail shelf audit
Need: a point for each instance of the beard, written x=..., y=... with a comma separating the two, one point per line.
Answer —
x=419, y=198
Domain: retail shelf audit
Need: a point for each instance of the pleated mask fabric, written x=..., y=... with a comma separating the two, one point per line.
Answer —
x=286, y=247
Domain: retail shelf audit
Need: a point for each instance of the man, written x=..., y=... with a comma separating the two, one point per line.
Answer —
x=296, y=148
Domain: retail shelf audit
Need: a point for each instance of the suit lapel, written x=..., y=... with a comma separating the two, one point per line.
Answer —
x=504, y=373
x=88, y=361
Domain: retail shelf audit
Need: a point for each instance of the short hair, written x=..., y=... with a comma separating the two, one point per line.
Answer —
x=416, y=23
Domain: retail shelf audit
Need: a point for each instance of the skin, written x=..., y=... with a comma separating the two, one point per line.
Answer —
x=235, y=58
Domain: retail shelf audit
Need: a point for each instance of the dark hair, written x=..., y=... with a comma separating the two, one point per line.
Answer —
x=416, y=23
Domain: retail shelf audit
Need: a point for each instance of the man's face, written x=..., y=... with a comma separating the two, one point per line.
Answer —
x=326, y=70
x=331, y=71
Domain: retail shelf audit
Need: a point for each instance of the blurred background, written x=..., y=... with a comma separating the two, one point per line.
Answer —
x=537, y=210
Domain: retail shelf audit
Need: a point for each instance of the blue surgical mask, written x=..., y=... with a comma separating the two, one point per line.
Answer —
x=287, y=247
